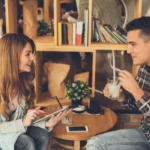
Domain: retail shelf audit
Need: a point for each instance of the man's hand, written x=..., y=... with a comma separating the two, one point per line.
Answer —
x=55, y=119
x=128, y=82
x=31, y=115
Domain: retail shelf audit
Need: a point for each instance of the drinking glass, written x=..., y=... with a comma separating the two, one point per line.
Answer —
x=68, y=119
x=113, y=88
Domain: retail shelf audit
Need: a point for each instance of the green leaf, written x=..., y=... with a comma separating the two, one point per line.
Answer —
x=78, y=98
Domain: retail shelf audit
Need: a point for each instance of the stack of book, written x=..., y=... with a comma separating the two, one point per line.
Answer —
x=108, y=33
x=71, y=33
x=74, y=33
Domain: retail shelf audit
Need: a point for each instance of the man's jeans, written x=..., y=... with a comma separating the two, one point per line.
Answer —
x=34, y=139
x=125, y=139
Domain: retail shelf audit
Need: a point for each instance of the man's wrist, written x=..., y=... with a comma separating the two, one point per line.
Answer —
x=138, y=94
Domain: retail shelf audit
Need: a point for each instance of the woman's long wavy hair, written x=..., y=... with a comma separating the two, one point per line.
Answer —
x=11, y=46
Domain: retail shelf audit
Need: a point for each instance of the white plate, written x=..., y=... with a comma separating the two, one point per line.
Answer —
x=79, y=108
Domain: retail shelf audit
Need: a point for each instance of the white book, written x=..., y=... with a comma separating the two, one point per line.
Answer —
x=79, y=27
x=74, y=34
x=86, y=19
x=79, y=31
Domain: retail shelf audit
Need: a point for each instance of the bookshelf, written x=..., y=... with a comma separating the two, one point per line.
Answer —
x=49, y=43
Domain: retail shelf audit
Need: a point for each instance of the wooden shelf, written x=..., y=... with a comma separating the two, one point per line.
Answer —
x=47, y=45
x=43, y=39
x=44, y=100
x=108, y=46
x=63, y=48
x=43, y=42
x=66, y=1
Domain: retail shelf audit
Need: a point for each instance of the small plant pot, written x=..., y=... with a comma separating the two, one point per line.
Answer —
x=77, y=102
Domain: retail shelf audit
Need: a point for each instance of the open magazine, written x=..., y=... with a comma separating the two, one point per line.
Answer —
x=55, y=113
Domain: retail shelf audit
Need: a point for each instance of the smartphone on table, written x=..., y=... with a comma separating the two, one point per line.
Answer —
x=77, y=129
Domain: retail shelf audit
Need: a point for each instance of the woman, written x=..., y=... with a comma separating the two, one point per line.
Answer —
x=17, y=95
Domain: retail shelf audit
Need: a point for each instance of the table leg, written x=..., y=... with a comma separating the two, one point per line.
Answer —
x=76, y=145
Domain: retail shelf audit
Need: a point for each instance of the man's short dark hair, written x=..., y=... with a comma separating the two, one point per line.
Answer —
x=142, y=24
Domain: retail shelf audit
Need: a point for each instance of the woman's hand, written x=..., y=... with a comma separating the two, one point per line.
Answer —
x=121, y=93
x=31, y=115
x=55, y=119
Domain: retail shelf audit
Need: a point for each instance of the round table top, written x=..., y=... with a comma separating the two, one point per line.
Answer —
x=96, y=124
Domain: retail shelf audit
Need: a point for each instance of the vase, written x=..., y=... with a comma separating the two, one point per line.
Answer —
x=77, y=102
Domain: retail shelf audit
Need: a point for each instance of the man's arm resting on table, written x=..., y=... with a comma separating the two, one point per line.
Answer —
x=137, y=95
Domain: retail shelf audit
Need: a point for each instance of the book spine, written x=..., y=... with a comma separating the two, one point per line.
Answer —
x=93, y=30
x=70, y=32
x=121, y=30
x=78, y=39
x=120, y=37
x=113, y=36
x=97, y=30
x=64, y=34
x=79, y=33
x=105, y=36
x=101, y=35
x=74, y=34
x=86, y=19
x=108, y=35
x=59, y=33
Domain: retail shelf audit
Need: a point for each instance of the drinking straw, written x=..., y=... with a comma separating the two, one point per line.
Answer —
x=59, y=102
x=62, y=107
x=123, y=69
x=118, y=82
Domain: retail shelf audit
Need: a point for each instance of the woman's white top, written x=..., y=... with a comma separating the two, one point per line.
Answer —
x=13, y=105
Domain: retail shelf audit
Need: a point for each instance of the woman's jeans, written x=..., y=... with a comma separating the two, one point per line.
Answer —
x=35, y=138
x=124, y=139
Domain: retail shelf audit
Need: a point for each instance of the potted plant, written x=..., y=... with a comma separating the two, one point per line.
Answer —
x=76, y=91
x=44, y=28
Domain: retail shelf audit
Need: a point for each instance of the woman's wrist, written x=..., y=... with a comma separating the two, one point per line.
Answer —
x=47, y=124
x=23, y=121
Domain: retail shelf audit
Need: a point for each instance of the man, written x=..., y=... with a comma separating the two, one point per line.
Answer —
x=138, y=97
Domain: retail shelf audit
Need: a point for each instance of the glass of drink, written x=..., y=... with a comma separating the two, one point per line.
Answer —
x=52, y=108
x=113, y=88
x=68, y=119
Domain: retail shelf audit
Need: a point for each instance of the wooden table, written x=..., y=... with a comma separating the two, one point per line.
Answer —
x=96, y=124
